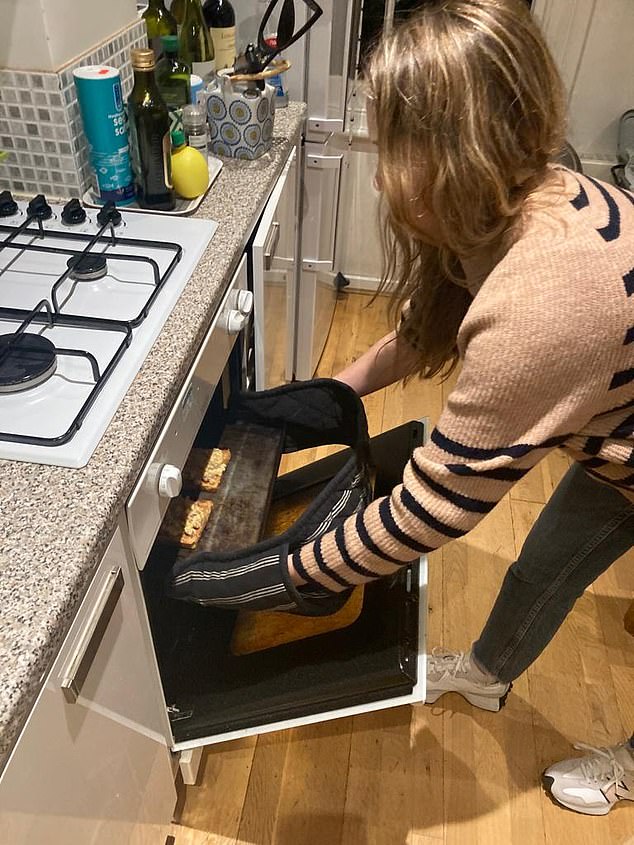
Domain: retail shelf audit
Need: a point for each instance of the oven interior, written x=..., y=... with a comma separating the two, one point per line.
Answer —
x=208, y=689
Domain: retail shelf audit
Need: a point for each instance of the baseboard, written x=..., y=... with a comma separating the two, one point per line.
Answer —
x=362, y=284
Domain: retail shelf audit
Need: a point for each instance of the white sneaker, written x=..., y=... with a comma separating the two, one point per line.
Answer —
x=452, y=671
x=594, y=783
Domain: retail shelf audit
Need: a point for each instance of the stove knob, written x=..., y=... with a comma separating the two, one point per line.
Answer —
x=109, y=214
x=170, y=482
x=244, y=302
x=73, y=213
x=236, y=321
x=39, y=208
x=8, y=206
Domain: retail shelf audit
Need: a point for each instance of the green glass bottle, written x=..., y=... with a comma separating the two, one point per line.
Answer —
x=149, y=125
x=178, y=10
x=158, y=22
x=196, y=46
x=173, y=80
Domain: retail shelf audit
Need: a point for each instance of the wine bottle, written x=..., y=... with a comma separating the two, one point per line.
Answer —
x=220, y=17
x=158, y=22
x=196, y=46
x=173, y=80
x=150, y=145
x=178, y=10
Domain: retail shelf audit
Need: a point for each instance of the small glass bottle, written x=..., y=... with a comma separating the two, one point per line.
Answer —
x=173, y=79
x=150, y=145
x=158, y=22
x=196, y=46
x=195, y=126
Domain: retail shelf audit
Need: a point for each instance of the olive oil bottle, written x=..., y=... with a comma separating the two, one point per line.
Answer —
x=150, y=146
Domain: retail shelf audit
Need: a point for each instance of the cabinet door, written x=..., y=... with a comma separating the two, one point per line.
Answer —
x=91, y=765
x=275, y=282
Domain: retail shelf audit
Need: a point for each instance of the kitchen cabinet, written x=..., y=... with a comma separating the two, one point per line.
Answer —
x=275, y=273
x=91, y=764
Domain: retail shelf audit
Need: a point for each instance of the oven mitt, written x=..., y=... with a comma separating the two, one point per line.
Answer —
x=315, y=413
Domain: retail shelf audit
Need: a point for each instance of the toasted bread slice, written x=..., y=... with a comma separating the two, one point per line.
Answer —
x=204, y=469
x=185, y=521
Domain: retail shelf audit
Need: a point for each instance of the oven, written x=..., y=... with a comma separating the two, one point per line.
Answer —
x=211, y=692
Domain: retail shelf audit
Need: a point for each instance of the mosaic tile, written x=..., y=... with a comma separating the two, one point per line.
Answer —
x=40, y=122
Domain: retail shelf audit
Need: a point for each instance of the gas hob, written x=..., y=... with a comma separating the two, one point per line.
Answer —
x=83, y=296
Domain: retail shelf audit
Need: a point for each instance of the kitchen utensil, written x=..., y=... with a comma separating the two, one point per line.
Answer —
x=257, y=57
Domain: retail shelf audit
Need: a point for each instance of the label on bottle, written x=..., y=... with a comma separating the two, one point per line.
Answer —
x=204, y=69
x=224, y=38
x=198, y=142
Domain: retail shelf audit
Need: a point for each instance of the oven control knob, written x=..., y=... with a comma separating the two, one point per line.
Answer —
x=39, y=208
x=8, y=206
x=170, y=482
x=244, y=302
x=236, y=321
x=73, y=213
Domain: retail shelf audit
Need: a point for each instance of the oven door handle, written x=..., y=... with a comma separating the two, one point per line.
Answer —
x=270, y=245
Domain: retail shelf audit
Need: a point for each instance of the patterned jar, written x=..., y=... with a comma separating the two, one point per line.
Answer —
x=240, y=118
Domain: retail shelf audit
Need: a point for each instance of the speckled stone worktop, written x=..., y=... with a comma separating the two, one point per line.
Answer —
x=55, y=522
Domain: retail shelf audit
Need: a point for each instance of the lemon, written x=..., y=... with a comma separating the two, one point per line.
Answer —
x=190, y=173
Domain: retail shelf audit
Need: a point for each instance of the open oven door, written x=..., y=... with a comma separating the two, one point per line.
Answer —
x=376, y=662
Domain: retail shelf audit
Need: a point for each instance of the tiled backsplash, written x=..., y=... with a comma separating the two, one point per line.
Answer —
x=40, y=125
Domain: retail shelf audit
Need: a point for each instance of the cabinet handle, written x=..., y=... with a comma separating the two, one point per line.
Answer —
x=74, y=675
x=270, y=245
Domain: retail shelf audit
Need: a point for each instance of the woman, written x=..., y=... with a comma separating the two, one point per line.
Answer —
x=524, y=273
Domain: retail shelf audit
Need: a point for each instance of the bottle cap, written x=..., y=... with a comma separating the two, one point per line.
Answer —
x=178, y=138
x=169, y=43
x=194, y=116
x=143, y=59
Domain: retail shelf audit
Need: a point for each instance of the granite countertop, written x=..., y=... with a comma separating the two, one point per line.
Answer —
x=55, y=523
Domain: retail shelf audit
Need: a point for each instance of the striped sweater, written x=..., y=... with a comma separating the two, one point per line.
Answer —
x=547, y=353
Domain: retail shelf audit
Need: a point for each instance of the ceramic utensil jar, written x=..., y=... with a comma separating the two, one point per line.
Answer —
x=240, y=117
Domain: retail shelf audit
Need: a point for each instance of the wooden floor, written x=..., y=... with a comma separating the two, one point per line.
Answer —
x=448, y=773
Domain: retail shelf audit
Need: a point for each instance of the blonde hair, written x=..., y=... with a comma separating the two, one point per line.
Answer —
x=469, y=110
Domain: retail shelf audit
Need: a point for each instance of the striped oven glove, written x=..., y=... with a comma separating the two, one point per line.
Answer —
x=313, y=413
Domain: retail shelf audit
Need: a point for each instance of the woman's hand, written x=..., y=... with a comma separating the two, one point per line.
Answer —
x=389, y=360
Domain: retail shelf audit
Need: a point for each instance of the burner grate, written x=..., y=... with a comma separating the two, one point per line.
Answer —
x=29, y=342
x=87, y=256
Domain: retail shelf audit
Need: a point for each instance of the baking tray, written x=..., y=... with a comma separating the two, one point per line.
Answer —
x=183, y=206
x=241, y=503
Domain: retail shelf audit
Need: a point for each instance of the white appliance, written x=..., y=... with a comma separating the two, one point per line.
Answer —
x=323, y=69
x=82, y=300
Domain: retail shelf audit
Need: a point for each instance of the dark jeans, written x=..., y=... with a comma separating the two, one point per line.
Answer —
x=583, y=529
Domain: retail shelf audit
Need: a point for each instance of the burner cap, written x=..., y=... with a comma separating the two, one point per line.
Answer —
x=88, y=267
x=27, y=362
